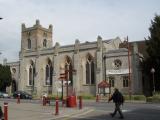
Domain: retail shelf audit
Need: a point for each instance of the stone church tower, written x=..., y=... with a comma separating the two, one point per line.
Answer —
x=33, y=40
x=36, y=37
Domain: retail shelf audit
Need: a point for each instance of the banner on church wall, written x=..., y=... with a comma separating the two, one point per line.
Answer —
x=120, y=71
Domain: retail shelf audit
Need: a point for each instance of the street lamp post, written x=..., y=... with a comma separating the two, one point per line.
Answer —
x=62, y=77
x=67, y=76
x=153, y=71
x=129, y=68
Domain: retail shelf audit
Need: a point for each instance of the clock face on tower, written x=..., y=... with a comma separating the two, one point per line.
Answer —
x=117, y=63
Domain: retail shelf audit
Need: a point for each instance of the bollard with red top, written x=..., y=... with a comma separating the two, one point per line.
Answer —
x=5, y=111
x=80, y=102
x=18, y=99
x=97, y=98
x=56, y=108
x=44, y=101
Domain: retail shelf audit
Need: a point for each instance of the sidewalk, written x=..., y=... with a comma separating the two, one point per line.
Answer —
x=31, y=111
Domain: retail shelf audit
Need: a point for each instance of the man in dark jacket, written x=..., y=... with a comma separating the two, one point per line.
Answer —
x=118, y=99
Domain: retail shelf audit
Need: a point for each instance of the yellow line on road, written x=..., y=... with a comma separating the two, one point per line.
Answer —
x=78, y=114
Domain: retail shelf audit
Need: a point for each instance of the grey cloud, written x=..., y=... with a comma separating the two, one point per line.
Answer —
x=71, y=19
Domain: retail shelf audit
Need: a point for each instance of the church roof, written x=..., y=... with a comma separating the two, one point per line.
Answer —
x=117, y=50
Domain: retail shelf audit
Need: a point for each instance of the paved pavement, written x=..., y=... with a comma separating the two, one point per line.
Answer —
x=33, y=110
x=36, y=111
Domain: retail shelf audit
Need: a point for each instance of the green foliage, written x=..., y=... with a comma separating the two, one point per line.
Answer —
x=88, y=96
x=153, y=41
x=139, y=97
x=149, y=99
x=157, y=93
x=5, y=77
x=153, y=50
x=155, y=98
x=135, y=97
x=53, y=97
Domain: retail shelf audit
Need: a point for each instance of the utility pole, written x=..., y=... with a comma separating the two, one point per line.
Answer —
x=153, y=71
x=67, y=75
x=129, y=67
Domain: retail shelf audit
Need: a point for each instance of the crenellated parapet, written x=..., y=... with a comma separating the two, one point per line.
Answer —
x=36, y=37
x=35, y=26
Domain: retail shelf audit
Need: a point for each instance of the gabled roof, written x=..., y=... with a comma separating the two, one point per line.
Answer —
x=103, y=84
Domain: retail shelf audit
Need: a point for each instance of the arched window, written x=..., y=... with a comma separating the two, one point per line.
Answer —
x=47, y=75
x=31, y=73
x=44, y=43
x=49, y=72
x=111, y=81
x=13, y=84
x=125, y=81
x=29, y=44
x=69, y=70
x=90, y=73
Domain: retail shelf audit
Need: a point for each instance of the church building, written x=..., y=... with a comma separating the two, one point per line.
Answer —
x=78, y=68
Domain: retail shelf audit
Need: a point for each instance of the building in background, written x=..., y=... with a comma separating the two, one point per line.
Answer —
x=41, y=64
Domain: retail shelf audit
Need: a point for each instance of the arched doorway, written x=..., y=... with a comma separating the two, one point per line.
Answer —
x=14, y=86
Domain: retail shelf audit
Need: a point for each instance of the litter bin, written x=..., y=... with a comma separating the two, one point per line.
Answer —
x=71, y=101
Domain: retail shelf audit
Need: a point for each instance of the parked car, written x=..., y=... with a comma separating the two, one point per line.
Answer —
x=23, y=95
x=4, y=95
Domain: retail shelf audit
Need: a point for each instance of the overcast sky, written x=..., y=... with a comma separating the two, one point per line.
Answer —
x=75, y=19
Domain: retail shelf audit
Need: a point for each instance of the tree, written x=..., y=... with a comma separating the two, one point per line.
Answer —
x=5, y=77
x=153, y=50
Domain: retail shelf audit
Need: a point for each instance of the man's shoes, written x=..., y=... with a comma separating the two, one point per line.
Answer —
x=121, y=117
x=111, y=114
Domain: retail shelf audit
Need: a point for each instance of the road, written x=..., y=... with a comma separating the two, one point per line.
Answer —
x=132, y=111
x=33, y=110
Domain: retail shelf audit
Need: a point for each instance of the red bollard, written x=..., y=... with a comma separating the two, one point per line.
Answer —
x=5, y=111
x=56, y=109
x=97, y=98
x=80, y=102
x=18, y=99
x=44, y=101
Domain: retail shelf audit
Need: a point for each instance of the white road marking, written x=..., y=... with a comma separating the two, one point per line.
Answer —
x=126, y=110
x=83, y=113
x=77, y=115
x=109, y=111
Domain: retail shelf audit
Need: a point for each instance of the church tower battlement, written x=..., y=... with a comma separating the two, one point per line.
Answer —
x=36, y=37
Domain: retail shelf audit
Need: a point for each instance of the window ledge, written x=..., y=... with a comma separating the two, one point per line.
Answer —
x=29, y=85
x=47, y=85
x=88, y=84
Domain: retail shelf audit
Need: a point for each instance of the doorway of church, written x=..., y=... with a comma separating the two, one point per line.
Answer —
x=14, y=86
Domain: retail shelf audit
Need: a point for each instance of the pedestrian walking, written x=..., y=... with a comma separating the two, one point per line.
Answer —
x=118, y=99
